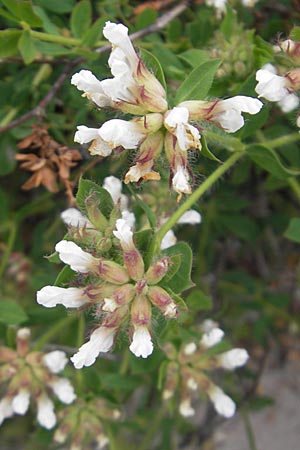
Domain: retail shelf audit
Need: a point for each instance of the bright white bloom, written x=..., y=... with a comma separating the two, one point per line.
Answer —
x=289, y=103
x=75, y=257
x=20, y=403
x=186, y=409
x=228, y=113
x=50, y=296
x=117, y=132
x=87, y=82
x=129, y=218
x=64, y=390
x=124, y=233
x=288, y=46
x=190, y=348
x=249, y=3
x=191, y=217
x=110, y=305
x=166, y=395
x=84, y=135
x=114, y=186
x=102, y=440
x=55, y=361
x=180, y=181
x=141, y=342
x=101, y=340
x=212, y=337
x=176, y=122
x=74, y=218
x=45, y=416
x=117, y=34
x=192, y=384
x=236, y=357
x=223, y=404
x=168, y=240
x=6, y=409
x=208, y=325
x=270, y=86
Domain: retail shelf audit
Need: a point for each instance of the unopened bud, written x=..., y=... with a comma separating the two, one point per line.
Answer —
x=134, y=264
x=158, y=270
x=112, y=272
x=162, y=300
x=294, y=78
x=150, y=122
x=94, y=213
x=140, y=311
x=23, y=340
x=104, y=245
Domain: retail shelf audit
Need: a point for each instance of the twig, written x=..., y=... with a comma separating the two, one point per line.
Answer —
x=39, y=110
x=158, y=25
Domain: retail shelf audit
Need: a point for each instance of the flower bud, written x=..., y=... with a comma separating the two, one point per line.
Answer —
x=112, y=272
x=23, y=341
x=162, y=300
x=94, y=213
x=185, y=408
x=158, y=270
x=121, y=296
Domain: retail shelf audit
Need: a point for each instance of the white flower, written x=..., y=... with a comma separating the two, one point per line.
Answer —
x=23, y=333
x=129, y=218
x=124, y=233
x=50, y=296
x=74, y=218
x=168, y=240
x=190, y=348
x=191, y=217
x=6, y=409
x=236, y=357
x=45, y=416
x=228, y=113
x=20, y=403
x=63, y=390
x=208, y=325
x=186, y=409
x=141, y=344
x=289, y=103
x=102, y=440
x=176, y=122
x=55, y=361
x=117, y=34
x=117, y=132
x=84, y=135
x=192, y=384
x=110, y=305
x=212, y=337
x=180, y=180
x=75, y=257
x=101, y=340
x=114, y=186
x=87, y=82
x=223, y=404
x=270, y=86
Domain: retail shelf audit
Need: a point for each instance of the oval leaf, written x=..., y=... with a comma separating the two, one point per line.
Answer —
x=81, y=18
x=181, y=280
x=11, y=313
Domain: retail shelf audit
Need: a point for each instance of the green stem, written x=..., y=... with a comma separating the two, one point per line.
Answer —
x=189, y=202
x=9, y=117
x=58, y=39
x=249, y=430
x=8, y=248
x=53, y=331
x=283, y=140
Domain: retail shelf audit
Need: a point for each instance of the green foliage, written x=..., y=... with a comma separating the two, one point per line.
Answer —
x=81, y=18
x=293, y=230
x=87, y=188
x=181, y=280
x=11, y=313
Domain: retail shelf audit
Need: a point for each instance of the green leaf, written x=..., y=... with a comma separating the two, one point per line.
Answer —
x=64, y=277
x=194, y=57
x=12, y=6
x=11, y=313
x=293, y=230
x=269, y=160
x=152, y=63
x=143, y=240
x=228, y=25
x=56, y=6
x=147, y=17
x=86, y=188
x=7, y=155
x=295, y=34
x=93, y=34
x=241, y=226
x=48, y=26
x=48, y=48
x=27, y=47
x=81, y=18
x=181, y=280
x=198, y=301
x=7, y=15
x=26, y=13
x=9, y=42
x=206, y=152
x=197, y=85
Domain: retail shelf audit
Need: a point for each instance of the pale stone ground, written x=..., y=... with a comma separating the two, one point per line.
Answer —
x=276, y=427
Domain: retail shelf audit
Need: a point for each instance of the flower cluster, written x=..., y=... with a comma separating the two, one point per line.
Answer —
x=133, y=89
x=32, y=375
x=83, y=423
x=117, y=291
x=188, y=367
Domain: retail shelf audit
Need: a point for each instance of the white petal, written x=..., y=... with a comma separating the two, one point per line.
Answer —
x=6, y=409
x=50, y=296
x=141, y=342
x=168, y=240
x=102, y=441
x=185, y=408
x=63, y=390
x=176, y=122
x=84, y=134
x=230, y=120
x=129, y=218
x=289, y=103
x=236, y=357
x=117, y=34
x=180, y=181
x=192, y=384
x=208, y=325
x=212, y=337
x=223, y=404
x=86, y=81
x=123, y=233
x=55, y=361
x=176, y=116
x=242, y=103
x=270, y=86
x=20, y=402
x=114, y=186
x=109, y=305
x=190, y=348
x=74, y=218
x=117, y=132
x=45, y=416
x=101, y=340
x=72, y=254
x=191, y=217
